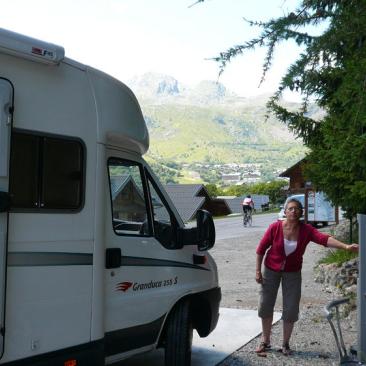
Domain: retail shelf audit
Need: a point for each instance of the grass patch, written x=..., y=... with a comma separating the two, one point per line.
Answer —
x=337, y=256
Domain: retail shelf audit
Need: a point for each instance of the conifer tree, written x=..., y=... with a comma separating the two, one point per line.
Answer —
x=331, y=70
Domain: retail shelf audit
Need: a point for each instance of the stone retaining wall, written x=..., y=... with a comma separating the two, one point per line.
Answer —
x=341, y=277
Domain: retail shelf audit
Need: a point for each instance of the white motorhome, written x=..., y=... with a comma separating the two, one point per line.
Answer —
x=96, y=264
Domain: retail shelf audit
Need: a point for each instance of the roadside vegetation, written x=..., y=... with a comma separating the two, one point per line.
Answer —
x=337, y=256
x=342, y=233
x=275, y=190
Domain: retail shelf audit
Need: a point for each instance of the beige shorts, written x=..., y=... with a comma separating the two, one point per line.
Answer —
x=291, y=294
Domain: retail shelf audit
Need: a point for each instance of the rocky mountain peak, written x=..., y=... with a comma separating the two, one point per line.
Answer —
x=162, y=88
x=154, y=85
x=208, y=91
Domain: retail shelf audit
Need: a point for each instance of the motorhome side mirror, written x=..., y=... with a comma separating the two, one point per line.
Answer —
x=205, y=230
x=5, y=202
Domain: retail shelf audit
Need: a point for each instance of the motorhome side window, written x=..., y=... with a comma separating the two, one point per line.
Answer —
x=46, y=172
x=129, y=208
x=160, y=212
x=165, y=224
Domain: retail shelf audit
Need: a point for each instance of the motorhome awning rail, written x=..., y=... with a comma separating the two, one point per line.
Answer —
x=29, y=48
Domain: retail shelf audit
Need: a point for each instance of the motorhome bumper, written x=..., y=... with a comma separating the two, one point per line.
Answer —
x=206, y=312
x=214, y=298
x=89, y=354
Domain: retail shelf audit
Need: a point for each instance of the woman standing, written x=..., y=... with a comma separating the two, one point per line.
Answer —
x=284, y=245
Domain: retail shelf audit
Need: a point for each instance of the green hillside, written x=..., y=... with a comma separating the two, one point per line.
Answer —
x=189, y=134
x=212, y=127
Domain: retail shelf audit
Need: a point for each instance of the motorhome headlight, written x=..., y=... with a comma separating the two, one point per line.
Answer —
x=29, y=48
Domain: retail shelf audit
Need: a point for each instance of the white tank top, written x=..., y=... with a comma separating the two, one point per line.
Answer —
x=290, y=246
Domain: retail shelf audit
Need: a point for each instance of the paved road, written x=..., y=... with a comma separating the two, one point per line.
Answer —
x=234, y=252
x=232, y=227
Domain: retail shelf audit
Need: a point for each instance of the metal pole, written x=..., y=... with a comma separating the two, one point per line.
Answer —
x=361, y=308
x=350, y=230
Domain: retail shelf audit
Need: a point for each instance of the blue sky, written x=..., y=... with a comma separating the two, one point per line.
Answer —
x=130, y=37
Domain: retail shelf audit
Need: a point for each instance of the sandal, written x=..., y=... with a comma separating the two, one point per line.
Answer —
x=263, y=347
x=286, y=350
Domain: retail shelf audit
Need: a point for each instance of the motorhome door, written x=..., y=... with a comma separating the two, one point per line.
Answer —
x=6, y=108
x=143, y=278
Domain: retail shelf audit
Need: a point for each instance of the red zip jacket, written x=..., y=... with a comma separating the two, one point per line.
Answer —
x=276, y=259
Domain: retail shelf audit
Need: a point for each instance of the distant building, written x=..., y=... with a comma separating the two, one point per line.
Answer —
x=231, y=178
x=251, y=179
x=297, y=183
x=194, y=175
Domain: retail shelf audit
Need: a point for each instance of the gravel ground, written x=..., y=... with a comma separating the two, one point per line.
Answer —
x=312, y=341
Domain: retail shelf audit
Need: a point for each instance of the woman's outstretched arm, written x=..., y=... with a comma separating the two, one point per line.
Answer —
x=334, y=243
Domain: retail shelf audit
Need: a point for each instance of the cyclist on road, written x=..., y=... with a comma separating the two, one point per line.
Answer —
x=248, y=204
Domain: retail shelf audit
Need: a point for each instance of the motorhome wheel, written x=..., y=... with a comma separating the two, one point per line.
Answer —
x=178, y=345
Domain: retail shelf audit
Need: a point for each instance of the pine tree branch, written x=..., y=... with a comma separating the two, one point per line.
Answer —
x=274, y=31
x=197, y=2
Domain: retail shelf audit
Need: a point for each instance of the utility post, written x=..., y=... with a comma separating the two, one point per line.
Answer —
x=361, y=305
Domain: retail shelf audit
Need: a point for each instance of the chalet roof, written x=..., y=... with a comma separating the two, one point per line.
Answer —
x=187, y=208
x=288, y=172
x=119, y=182
x=235, y=204
x=187, y=198
x=186, y=190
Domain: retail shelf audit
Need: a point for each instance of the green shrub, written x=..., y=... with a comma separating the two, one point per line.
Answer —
x=338, y=256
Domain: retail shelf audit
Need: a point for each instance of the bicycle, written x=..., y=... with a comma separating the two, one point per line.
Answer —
x=345, y=358
x=247, y=218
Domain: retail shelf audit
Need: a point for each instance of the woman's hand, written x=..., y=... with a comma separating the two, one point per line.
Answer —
x=352, y=248
x=258, y=276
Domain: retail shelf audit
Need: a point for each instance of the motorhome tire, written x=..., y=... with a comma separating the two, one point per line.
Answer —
x=178, y=344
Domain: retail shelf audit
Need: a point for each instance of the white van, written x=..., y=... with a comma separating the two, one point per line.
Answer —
x=317, y=210
x=96, y=264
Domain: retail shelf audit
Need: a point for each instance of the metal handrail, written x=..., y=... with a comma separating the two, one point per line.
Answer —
x=329, y=315
x=345, y=358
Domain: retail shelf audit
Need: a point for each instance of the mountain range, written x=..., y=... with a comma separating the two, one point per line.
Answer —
x=208, y=124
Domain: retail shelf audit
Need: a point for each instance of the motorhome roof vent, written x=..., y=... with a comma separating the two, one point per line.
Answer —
x=32, y=49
